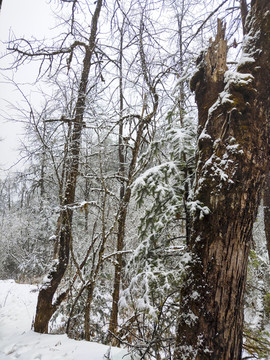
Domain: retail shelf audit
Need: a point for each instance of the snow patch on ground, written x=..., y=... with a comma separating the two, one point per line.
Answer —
x=18, y=341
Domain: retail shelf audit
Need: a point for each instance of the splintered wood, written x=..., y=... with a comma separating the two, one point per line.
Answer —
x=217, y=54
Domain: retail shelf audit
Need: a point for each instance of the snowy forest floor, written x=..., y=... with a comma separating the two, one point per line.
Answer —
x=18, y=341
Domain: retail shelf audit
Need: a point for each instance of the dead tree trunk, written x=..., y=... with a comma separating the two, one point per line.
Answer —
x=232, y=152
x=46, y=306
x=266, y=208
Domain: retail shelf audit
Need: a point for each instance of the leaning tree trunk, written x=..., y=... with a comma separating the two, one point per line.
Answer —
x=46, y=305
x=231, y=161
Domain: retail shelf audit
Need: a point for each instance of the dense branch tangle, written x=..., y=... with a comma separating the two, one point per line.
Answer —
x=130, y=131
x=26, y=51
x=125, y=190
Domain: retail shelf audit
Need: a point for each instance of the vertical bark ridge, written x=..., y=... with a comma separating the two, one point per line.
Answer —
x=232, y=162
x=266, y=207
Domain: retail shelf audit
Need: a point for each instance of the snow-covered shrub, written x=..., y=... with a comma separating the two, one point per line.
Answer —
x=155, y=271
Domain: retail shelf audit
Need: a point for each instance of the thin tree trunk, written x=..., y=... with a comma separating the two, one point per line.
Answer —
x=95, y=270
x=113, y=326
x=232, y=162
x=121, y=230
x=90, y=290
x=45, y=305
x=125, y=190
x=123, y=211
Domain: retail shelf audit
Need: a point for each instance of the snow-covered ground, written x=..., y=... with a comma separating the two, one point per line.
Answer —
x=18, y=341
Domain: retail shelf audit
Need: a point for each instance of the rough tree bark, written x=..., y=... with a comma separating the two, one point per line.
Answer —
x=266, y=210
x=232, y=155
x=46, y=305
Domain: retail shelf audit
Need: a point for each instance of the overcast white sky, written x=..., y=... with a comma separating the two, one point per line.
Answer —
x=24, y=18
